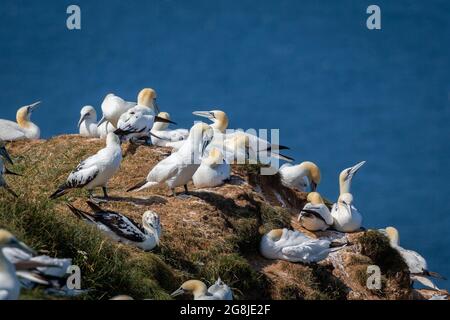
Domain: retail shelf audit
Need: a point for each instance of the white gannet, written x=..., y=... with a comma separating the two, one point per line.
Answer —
x=113, y=107
x=137, y=122
x=9, y=282
x=178, y=169
x=88, y=122
x=3, y=183
x=315, y=215
x=24, y=128
x=294, y=246
x=220, y=123
x=213, y=171
x=123, y=229
x=218, y=291
x=96, y=170
x=417, y=264
x=346, y=217
x=162, y=136
x=33, y=270
x=303, y=177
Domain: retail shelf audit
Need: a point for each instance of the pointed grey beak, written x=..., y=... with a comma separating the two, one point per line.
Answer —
x=177, y=293
x=354, y=169
x=83, y=117
x=103, y=119
x=4, y=153
x=33, y=106
x=204, y=114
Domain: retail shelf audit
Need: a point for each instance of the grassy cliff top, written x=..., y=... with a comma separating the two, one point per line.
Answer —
x=209, y=234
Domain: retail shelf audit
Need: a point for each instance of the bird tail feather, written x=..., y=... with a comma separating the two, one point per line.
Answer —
x=142, y=185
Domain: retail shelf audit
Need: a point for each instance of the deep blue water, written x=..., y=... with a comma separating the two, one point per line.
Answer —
x=338, y=92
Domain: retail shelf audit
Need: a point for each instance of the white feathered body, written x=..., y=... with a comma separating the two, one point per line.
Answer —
x=9, y=283
x=138, y=121
x=168, y=136
x=209, y=176
x=294, y=177
x=11, y=131
x=346, y=218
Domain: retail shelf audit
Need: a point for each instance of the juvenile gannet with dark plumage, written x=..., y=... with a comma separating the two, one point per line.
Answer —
x=137, y=122
x=417, y=264
x=303, y=177
x=220, y=123
x=218, y=291
x=213, y=171
x=346, y=217
x=178, y=169
x=315, y=215
x=9, y=282
x=23, y=128
x=294, y=246
x=113, y=107
x=96, y=170
x=161, y=136
x=123, y=229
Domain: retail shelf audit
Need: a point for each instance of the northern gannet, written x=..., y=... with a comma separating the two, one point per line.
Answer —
x=213, y=171
x=218, y=291
x=24, y=128
x=137, y=122
x=88, y=122
x=113, y=107
x=346, y=217
x=417, y=264
x=96, y=170
x=294, y=246
x=9, y=282
x=123, y=229
x=315, y=215
x=303, y=177
x=178, y=169
x=220, y=124
x=162, y=136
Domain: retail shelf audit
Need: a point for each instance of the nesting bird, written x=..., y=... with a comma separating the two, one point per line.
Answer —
x=123, y=229
x=161, y=136
x=136, y=124
x=346, y=217
x=303, y=177
x=213, y=171
x=23, y=128
x=178, y=169
x=95, y=171
x=417, y=264
x=294, y=246
x=9, y=282
x=113, y=107
x=88, y=124
x=218, y=291
x=315, y=215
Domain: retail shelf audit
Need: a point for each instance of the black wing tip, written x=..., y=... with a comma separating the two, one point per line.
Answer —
x=94, y=207
x=58, y=193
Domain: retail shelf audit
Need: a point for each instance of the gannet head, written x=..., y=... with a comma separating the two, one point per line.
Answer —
x=275, y=234
x=218, y=117
x=346, y=176
x=160, y=126
x=196, y=287
x=147, y=97
x=314, y=198
x=313, y=173
x=4, y=153
x=7, y=239
x=87, y=113
x=201, y=132
x=393, y=235
x=152, y=224
x=112, y=140
x=24, y=114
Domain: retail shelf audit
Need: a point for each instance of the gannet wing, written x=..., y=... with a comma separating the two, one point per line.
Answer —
x=134, y=122
x=416, y=263
x=164, y=170
x=10, y=131
x=121, y=225
x=425, y=281
x=309, y=251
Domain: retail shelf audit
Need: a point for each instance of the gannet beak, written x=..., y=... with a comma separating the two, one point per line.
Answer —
x=155, y=104
x=204, y=114
x=177, y=293
x=206, y=142
x=83, y=117
x=33, y=106
x=313, y=186
x=103, y=119
x=355, y=169
x=159, y=119
x=4, y=153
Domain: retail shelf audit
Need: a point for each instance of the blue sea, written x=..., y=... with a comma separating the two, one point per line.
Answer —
x=338, y=92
